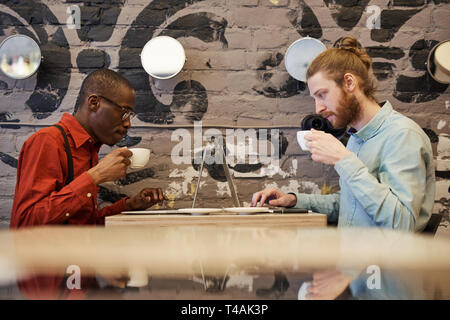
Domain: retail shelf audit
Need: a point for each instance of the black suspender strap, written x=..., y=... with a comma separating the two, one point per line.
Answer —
x=69, y=155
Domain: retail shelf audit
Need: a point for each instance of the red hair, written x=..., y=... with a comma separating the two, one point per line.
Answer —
x=346, y=57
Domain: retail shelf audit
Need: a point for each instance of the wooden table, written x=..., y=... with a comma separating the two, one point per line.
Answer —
x=220, y=262
x=220, y=220
x=307, y=220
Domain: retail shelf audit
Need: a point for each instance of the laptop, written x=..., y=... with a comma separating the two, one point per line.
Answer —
x=234, y=196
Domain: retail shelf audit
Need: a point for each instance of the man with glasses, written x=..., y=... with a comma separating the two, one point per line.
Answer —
x=46, y=193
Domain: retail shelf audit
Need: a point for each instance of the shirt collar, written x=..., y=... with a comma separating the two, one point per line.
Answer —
x=371, y=128
x=78, y=133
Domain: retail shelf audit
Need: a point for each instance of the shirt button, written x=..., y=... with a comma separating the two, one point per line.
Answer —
x=89, y=195
x=67, y=214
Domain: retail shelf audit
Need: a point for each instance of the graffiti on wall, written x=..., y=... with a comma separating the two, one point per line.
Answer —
x=190, y=96
x=98, y=21
x=53, y=77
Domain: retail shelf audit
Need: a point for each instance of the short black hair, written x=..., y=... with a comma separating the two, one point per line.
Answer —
x=101, y=81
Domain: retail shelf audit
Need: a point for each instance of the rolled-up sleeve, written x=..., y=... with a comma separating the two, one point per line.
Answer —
x=40, y=197
x=394, y=198
x=325, y=204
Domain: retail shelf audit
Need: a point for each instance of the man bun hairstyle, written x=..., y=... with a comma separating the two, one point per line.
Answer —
x=347, y=56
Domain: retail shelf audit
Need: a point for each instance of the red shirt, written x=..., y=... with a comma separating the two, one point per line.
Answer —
x=40, y=197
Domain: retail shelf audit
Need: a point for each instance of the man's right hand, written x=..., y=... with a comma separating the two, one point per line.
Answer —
x=273, y=197
x=112, y=167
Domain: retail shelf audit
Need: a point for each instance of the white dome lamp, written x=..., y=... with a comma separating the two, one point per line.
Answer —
x=299, y=56
x=163, y=57
x=20, y=57
x=438, y=63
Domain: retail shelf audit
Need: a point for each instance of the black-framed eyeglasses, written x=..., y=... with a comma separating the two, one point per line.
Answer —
x=125, y=111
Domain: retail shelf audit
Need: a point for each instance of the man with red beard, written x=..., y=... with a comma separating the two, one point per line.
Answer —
x=386, y=171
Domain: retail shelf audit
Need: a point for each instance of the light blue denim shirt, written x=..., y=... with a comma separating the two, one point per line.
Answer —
x=388, y=181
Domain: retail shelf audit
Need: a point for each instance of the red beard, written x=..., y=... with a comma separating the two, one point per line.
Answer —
x=347, y=111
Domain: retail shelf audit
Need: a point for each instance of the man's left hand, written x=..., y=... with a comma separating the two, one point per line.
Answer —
x=325, y=147
x=146, y=198
x=327, y=285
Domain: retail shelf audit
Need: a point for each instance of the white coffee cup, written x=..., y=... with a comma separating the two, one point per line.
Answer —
x=138, y=278
x=301, y=139
x=303, y=291
x=139, y=158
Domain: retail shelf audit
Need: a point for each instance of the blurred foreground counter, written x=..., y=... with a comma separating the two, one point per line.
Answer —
x=251, y=220
x=212, y=261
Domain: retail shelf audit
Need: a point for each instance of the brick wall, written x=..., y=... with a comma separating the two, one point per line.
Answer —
x=234, y=75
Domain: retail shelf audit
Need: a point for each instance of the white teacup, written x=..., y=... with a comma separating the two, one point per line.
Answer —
x=139, y=158
x=301, y=139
